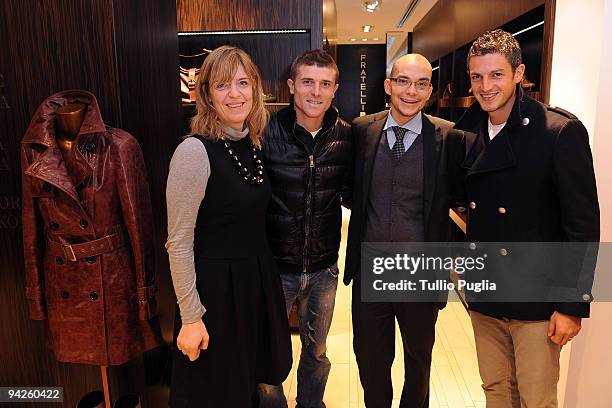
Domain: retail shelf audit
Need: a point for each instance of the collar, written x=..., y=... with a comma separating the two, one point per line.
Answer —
x=474, y=117
x=233, y=134
x=415, y=125
x=287, y=118
x=42, y=126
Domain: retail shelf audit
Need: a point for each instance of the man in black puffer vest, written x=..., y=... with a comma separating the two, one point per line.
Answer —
x=308, y=153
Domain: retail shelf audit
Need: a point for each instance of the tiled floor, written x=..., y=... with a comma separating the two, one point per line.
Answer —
x=455, y=382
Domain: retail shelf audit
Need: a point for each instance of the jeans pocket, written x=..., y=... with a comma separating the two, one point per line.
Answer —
x=333, y=271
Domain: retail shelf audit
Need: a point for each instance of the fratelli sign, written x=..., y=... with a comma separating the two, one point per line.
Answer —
x=362, y=74
x=362, y=84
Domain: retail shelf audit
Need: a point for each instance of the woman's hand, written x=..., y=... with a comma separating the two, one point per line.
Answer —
x=192, y=338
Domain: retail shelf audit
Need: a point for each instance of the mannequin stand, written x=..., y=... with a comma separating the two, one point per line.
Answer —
x=105, y=389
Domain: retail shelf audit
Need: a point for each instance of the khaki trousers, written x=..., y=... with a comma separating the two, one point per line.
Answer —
x=518, y=364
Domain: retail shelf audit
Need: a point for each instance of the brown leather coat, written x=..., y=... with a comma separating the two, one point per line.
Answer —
x=87, y=238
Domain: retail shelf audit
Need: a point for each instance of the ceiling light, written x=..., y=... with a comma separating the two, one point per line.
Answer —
x=353, y=39
x=375, y=39
x=371, y=5
x=528, y=28
x=364, y=39
x=366, y=28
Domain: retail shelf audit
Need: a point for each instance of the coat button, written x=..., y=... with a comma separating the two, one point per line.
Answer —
x=93, y=296
x=587, y=298
x=59, y=260
x=472, y=246
x=91, y=259
x=90, y=146
x=501, y=210
x=503, y=252
x=64, y=294
x=84, y=224
x=472, y=205
x=54, y=225
x=525, y=121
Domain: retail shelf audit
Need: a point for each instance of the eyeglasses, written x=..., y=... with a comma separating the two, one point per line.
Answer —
x=420, y=85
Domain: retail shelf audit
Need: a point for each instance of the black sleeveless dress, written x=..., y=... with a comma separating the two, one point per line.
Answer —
x=240, y=289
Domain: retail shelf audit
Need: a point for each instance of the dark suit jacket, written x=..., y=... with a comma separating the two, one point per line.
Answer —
x=440, y=150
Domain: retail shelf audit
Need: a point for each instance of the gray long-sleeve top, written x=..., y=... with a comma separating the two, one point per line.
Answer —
x=187, y=179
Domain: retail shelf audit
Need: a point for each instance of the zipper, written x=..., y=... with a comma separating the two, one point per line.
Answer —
x=309, y=199
x=309, y=191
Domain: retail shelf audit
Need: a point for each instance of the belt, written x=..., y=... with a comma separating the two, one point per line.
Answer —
x=96, y=247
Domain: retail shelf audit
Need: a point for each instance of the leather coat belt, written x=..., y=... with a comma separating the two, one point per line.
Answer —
x=96, y=247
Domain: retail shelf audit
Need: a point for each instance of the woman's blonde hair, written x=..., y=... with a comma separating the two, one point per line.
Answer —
x=220, y=66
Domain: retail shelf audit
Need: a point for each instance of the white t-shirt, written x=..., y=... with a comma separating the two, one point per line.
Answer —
x=315, y=132
x=494, y=129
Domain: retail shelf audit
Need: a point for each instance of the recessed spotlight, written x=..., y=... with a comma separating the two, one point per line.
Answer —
x=364, y=39
x=375, y=39
x=371, y=5
x=353, y=39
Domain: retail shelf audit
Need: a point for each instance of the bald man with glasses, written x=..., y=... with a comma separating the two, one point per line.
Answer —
x=401, y=194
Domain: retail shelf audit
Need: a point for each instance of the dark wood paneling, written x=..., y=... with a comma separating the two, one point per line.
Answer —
x=444, y=37
x=149, y=95
x=214, y=15
x=316, y=24
x=47, y=46
x=126, y=53
x=451, y=24
x=547, y=50
x=274, y=62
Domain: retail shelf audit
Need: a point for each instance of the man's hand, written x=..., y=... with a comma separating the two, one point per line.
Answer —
x=192, y=338
x=562, y=328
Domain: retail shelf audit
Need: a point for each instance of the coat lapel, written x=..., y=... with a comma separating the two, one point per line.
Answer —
x=373, y=135
x=50, y=168
x=498, y=155
x=432, y=142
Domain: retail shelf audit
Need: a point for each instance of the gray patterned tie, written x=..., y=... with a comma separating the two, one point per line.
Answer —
x=398, y=148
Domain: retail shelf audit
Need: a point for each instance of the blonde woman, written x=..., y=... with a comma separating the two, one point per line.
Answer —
x=231, y=332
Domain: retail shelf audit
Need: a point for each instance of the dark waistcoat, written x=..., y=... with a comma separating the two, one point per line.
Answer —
x=395, y=203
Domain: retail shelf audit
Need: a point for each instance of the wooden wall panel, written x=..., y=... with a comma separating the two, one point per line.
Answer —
x=149, y=96
x=213, y=15
x=274, y=62
x=316, y=24
x=47, y=46
x=546, y=64
x=451, y=24
x=127, y=55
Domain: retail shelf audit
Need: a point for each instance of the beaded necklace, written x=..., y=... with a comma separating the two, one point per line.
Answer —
x=253, y=179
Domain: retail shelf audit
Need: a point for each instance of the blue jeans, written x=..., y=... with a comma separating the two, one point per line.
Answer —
x=315, y=294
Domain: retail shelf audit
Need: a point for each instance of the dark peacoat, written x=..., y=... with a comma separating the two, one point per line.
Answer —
x=534, y=182
x=87, y=236
x=441, y=149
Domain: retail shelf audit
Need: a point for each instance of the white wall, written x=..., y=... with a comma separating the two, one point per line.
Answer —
x=581, y=82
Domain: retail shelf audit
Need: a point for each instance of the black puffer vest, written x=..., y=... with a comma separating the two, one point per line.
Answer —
x=304, y=217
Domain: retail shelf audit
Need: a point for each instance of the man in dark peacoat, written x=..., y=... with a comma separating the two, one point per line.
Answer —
x=529, y=178
x=419, y=200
